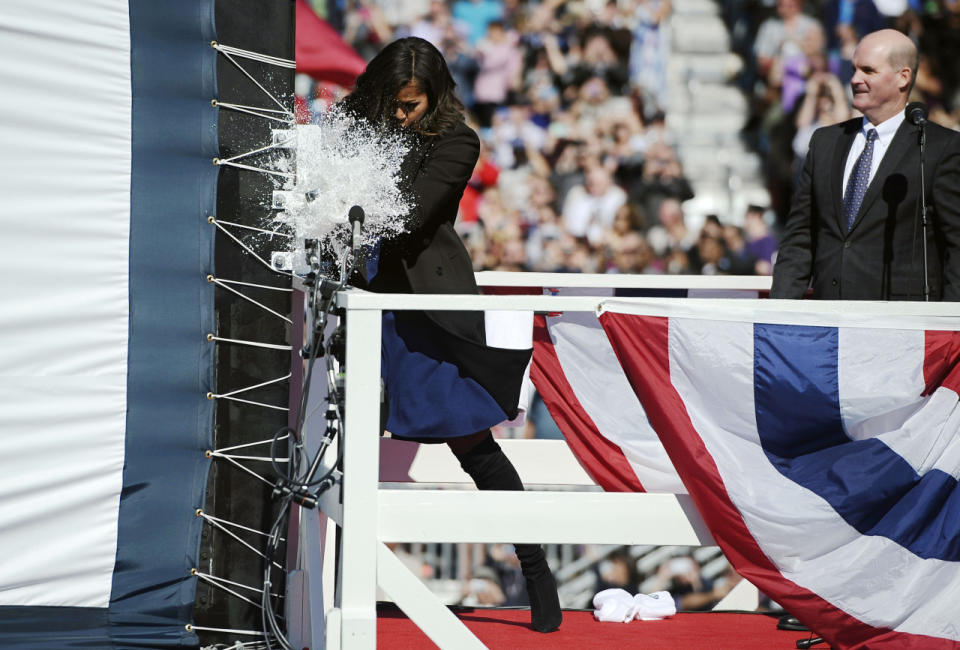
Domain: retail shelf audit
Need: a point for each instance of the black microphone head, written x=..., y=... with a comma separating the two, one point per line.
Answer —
x=356, y=214
x=917, y=113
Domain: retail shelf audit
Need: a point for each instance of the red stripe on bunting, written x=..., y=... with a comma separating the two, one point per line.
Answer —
x=642, y=346
x=941, y=361
x=603, y=460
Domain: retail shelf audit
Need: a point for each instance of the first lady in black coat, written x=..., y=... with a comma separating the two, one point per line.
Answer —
x=442, y=381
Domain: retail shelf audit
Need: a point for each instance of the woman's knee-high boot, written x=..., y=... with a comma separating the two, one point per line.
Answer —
x=490, y=469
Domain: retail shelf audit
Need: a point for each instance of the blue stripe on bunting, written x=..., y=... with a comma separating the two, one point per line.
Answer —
x=796, y=391
x=169, y=419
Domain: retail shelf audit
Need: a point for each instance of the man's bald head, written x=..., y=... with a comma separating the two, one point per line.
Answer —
x=885, y=68
x=901, y=51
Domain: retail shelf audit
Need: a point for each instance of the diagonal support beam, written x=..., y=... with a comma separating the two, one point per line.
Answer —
x=421, y=605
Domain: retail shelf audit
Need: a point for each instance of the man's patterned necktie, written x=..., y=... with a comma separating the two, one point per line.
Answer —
x=858, y=181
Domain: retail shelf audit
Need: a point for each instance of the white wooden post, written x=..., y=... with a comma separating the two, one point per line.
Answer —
x=361, y=451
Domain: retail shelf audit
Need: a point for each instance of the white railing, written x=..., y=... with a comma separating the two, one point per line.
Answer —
x=370, y=514
x=712, y=283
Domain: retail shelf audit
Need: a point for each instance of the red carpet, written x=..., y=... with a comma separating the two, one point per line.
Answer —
x=507, y=629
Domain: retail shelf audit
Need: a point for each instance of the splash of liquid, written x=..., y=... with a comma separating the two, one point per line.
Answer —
x=340, y=163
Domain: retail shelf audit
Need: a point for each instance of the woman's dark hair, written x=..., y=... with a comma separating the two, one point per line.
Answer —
x=399, y=63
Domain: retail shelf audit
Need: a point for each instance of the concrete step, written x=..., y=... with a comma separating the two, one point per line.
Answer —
x=696, y=97
x=695, y=7
x=699, y=34
x=705, y=68
x=724, y=126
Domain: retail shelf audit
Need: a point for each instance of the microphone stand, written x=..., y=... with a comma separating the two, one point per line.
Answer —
x=923, y=212
x=301, y=491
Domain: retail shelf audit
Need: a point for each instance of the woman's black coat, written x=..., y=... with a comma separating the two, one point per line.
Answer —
x=431, y=258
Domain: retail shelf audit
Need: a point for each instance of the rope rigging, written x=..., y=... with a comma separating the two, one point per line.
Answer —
x=297, y=478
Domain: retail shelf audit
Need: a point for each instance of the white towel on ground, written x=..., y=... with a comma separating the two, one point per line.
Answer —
x=652, y=607
x=618, y=606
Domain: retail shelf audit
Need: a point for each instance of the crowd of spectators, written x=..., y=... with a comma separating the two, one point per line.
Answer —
x=578, y=171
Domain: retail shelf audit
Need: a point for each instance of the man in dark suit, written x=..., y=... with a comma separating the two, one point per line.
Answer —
x=854, y=230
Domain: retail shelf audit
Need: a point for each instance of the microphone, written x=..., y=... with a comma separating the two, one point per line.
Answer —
x=356, y=216
x=917, y=113
x=313, y=194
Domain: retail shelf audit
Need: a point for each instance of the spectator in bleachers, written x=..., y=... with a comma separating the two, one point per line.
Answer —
x=761, y=244
x=618, y=571
x=691, y=590
x=434, y=25
x=662, y=178
x=483, y=589
x=503, y=561
x=632, y=255
x=671, y=234
x=589, y=209
x=625, y=249
x=463, y=65
x=598, y=60
x=567, y=167
x=738, y=259
x=782, y=36
x=367, y=28
x=499, y=68
x=649, y=51
x=474, y=16
x=841, y=54
x=797, y=66
x=824, y=103
x=513, y=132
x=485, y=175
x=538, y=217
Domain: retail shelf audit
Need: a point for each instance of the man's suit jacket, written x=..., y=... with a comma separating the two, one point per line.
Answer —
x=881, y=257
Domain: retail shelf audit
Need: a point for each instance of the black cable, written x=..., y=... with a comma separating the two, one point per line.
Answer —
x=267, y=615
x=333, y=399
x=291, y=484
x=291, y=474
